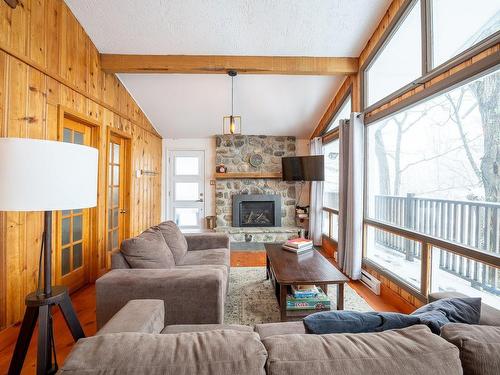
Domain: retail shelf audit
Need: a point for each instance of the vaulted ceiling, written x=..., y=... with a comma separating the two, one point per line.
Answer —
x=184, y=106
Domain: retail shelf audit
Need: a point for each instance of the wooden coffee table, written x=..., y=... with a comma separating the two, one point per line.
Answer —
x=285, y=269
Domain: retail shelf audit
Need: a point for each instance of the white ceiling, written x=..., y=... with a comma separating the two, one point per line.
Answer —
x=193, y=105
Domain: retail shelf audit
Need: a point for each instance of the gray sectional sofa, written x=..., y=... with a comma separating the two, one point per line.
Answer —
x=135, y=341
x=189, y=273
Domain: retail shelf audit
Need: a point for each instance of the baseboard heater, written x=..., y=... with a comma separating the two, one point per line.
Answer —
x=370, y=282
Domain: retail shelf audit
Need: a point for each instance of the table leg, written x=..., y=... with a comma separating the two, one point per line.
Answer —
x=267, y=268
x=283, y=293
x=340, y=296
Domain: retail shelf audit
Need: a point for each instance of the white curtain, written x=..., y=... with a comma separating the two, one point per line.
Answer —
x=350, y=247
x=316, y=203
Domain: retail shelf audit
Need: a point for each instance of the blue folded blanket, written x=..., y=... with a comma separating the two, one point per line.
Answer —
x=434, y=315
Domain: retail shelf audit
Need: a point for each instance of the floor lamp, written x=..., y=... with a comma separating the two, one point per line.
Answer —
x=39, y=175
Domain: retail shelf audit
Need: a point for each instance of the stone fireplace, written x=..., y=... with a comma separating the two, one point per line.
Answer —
x=261, y=210
x=254, y=209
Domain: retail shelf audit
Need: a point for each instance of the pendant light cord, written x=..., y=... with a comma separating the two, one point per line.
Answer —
x=232, y=96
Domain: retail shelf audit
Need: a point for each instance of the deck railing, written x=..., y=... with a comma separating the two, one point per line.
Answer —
x=472, y=223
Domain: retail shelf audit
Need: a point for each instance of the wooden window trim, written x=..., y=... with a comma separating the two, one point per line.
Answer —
x=334, y=133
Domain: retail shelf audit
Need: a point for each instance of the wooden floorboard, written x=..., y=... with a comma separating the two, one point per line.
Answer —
x=84, y=303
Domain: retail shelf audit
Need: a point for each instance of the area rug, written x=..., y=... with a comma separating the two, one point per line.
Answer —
x=251, y=298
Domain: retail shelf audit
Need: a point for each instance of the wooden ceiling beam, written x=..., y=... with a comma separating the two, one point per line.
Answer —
x=201, y=64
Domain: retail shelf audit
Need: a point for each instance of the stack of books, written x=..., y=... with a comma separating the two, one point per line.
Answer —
x=298, y=245
x=307, y=297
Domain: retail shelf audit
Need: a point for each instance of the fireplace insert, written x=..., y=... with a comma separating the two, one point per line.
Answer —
x=256, y=210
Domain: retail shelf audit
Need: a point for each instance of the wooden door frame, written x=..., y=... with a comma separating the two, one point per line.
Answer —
x=127, y=188
x=95, y=135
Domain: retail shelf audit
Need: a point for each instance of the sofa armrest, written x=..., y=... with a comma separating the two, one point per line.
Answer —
x=190, y=296
x=205, y=241
x=138, y=315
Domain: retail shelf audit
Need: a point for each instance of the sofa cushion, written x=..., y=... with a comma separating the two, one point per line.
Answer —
x=207, y=257
x=175, y=240
x=449, y=310
x=214, y=352
x=356, y=322
x=183, y=328
x=138, y=315
x=148, y=250
x=489, y=315
x=409, y=351
x=479, y=347
x=285, y=328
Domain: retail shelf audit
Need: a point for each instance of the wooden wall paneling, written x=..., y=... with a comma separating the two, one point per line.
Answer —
x=46, y=60
x=37, y=31
x=53, y=36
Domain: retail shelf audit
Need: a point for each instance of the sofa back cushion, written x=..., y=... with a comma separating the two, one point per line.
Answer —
x=409, y=351
x=148, y=250
x=175, y=240
x=479, y=347
x=213, y=352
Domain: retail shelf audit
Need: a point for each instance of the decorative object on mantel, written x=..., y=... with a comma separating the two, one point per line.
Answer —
x=220, y=169
x=256, y=160
x=231, y=124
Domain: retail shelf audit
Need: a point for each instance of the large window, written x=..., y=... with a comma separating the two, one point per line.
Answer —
x=399, y=62
x=460, y=24
x=343, y=113
x=433, y=169
x=427, y=36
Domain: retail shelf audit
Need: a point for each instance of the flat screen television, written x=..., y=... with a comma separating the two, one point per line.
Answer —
x=303, y=168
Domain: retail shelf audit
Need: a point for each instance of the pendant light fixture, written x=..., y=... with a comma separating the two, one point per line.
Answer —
x=231, y=124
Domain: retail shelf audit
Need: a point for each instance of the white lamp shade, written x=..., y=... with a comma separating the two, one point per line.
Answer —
x=39, y=175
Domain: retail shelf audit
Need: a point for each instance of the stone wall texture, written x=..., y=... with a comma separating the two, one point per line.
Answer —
x=234, y=151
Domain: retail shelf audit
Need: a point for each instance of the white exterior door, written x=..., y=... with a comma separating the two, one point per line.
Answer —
x=186, y=193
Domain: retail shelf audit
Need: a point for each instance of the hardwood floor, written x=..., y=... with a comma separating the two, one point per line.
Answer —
x=84, y=303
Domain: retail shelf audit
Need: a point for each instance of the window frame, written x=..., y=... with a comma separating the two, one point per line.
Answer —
x=332, y=136
x=468, y=74
x=329, y=136
x=428, y=73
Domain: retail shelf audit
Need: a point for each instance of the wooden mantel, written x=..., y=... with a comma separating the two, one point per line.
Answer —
x=247, y=175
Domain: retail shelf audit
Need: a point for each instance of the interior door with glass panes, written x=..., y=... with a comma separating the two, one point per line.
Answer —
x=73, y=235
x=186, y=195
x=117, y=187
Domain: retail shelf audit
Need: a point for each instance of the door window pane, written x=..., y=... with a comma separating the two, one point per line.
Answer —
x=331, y=184
x=115, y=239
x=431, y=168
x=186, y=166
x=115, y=196
x=115, y=217
x=116, y=153
x=78, y=138
x=452, y=272
x=77, y=228
x=66, y=223
x=399, y=62
x=460, y=24
x=116, y=175
x=77, y=255
x=186, y=217
x=67, y=135
x=395, y=254
x=187, y=191
x=65, y=264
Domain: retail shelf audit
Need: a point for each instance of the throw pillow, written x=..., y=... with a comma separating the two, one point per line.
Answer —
x=450, y=310
x=148, y=250
x=356, y=322
x=175, y=240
